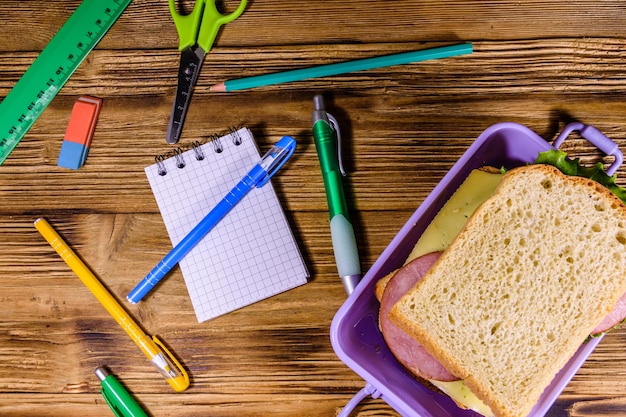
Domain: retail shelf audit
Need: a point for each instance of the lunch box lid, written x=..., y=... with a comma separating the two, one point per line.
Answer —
x=354, y=333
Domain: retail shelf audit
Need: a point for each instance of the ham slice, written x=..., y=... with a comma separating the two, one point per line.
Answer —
x=614, y=318
x=410, y=353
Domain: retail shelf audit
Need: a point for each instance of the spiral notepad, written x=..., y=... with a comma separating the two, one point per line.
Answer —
x=251, y=254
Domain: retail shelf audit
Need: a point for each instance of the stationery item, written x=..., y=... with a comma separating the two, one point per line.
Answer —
x=197, y=32
x=158, y=354
x=327, y=137
x=251, y=254
x=342, y=67
x=53, y=67
x=258, y=176
x=79, y=132
x=121, y=402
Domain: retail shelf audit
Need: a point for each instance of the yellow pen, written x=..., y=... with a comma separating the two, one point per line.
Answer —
x=154, y=349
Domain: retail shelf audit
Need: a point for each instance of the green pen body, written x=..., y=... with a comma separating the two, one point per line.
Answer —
x=342, y=233
x=327, y=152
x=121, y=402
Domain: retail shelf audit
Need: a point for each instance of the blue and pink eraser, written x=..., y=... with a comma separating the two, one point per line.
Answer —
x=79, y=132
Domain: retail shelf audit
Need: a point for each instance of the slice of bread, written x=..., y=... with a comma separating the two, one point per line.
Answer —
x=479, y=185
x=535, y=269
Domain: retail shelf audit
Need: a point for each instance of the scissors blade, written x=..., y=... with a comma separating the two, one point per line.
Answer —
x=190, y=64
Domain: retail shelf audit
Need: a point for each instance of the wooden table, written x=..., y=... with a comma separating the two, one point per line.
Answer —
x=542, y=64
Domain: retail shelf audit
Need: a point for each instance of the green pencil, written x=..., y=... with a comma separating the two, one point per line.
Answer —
x=343, y=67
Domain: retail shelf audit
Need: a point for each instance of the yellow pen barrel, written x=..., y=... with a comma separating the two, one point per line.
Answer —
x=85, y=275
x=175, y=374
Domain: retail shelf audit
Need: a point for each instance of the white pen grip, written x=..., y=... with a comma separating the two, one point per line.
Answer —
x=344, y=245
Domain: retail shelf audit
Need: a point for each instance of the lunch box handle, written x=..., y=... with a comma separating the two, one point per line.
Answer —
x=368, y=389
x=595, y=137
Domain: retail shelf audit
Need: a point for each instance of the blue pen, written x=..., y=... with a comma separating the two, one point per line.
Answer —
x=258, y=176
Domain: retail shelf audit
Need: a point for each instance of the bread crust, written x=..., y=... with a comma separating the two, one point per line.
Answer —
x=549, y=298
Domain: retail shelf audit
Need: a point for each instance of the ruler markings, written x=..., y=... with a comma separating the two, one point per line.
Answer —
x=53, y=67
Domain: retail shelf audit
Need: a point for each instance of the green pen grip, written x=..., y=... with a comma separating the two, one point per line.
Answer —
x=121, y=402
x=327, y=152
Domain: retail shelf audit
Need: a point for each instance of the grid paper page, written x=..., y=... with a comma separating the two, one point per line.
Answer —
x=251, y=253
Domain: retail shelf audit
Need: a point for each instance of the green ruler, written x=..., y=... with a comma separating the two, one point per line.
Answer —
x=53, y=67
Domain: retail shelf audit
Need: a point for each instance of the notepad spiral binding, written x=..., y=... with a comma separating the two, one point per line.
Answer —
x=214, y=139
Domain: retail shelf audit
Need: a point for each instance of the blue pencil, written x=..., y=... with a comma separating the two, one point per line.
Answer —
x=343, y=67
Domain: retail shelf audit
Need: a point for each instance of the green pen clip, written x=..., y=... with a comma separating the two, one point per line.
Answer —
x=119, y=400
x=335, y=126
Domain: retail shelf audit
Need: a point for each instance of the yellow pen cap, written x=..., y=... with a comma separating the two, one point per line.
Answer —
x=169, y=366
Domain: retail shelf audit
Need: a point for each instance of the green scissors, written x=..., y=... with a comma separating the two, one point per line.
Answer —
x=197, y=32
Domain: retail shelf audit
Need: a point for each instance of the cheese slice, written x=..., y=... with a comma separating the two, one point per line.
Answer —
x=477, y=187
x=458, y=391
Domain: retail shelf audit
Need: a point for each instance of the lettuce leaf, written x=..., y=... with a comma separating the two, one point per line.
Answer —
x=573, y=167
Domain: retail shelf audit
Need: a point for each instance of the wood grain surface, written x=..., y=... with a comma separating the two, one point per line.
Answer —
x=540, y=63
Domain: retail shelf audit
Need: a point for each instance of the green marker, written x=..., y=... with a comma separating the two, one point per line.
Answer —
x=328, y=144
x=121, y=402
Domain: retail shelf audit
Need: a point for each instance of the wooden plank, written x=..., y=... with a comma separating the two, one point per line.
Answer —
x=538, y=63
x=148, y=25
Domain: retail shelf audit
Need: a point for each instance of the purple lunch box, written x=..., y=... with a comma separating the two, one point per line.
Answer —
x=355, y=334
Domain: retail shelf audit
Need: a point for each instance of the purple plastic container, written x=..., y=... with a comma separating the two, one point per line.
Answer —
x=355, y=334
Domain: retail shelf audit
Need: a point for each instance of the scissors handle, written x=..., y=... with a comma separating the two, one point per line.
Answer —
x=187, y=25
x=202, y=24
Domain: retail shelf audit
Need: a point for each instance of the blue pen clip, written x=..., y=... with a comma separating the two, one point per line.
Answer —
x=276, y=157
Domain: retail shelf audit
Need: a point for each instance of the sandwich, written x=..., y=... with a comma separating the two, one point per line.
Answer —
x=503, y=287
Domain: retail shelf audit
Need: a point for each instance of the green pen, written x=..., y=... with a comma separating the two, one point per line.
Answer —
x=327, y=138
x=121, y=402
